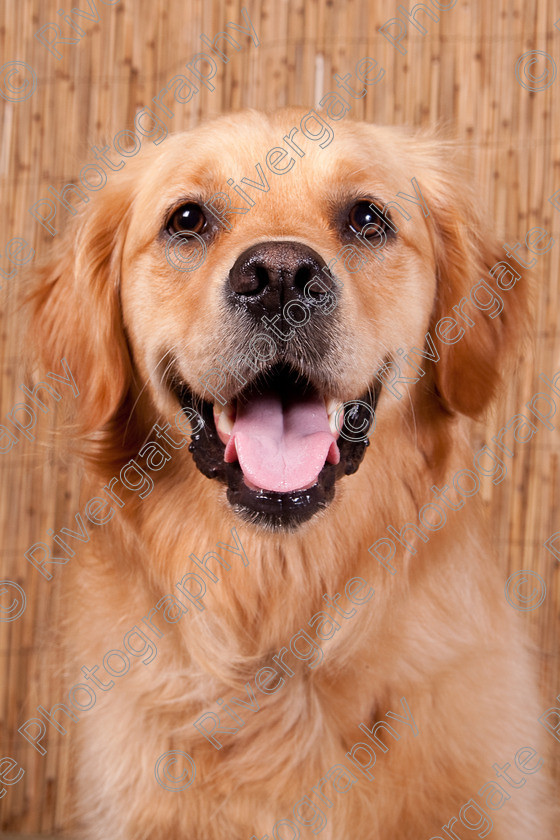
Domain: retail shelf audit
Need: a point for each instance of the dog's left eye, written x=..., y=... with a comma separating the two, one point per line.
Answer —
x=362, y=216
x=188, y=217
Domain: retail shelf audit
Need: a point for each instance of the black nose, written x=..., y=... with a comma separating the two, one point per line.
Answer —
x=267, y=276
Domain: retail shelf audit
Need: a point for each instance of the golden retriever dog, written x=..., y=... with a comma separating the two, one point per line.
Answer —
x=283, y=613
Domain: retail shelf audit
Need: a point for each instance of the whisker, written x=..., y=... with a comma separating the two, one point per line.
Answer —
x=145, y=385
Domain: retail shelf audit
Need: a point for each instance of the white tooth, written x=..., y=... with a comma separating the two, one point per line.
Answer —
x=331, y=405
x=335, y=414
x=228, y=409
x=225, y=423
x=333, y=424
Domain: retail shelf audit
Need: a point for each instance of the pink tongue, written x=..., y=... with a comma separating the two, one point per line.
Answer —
x=282, y=446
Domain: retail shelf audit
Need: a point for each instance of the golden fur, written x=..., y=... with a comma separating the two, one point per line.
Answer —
x=438, y=632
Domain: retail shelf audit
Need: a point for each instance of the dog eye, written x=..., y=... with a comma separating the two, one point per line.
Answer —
x=187, y=217
x=362, y=216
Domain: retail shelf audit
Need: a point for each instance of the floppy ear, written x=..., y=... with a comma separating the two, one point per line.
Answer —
x=475, y=277
x=75, y=308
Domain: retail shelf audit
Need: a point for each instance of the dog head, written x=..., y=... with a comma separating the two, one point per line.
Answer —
x=286, y=294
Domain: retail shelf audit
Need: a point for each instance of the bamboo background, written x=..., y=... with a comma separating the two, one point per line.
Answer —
x=461, y=74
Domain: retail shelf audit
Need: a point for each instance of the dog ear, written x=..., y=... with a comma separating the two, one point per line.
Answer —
x=75, y=308
x=480, y=315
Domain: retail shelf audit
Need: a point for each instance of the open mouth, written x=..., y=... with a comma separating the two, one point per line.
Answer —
x=280, y=445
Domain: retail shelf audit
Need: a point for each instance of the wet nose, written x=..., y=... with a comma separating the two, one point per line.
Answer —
x=265, y=277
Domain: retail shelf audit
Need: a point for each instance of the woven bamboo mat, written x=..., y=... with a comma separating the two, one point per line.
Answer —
x=460, y=73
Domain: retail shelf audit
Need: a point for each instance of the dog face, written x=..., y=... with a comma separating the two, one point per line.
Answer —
x=271, y=326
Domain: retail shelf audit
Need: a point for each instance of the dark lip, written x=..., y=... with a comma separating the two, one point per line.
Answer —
x=270, y=510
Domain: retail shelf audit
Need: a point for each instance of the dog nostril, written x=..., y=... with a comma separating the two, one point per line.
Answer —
x=250, y=279
x=262, y=277
x=315, y=289
x=302, y=277
x=310, y=281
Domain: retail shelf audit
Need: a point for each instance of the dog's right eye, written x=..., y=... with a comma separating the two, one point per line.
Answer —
x=188, y=217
